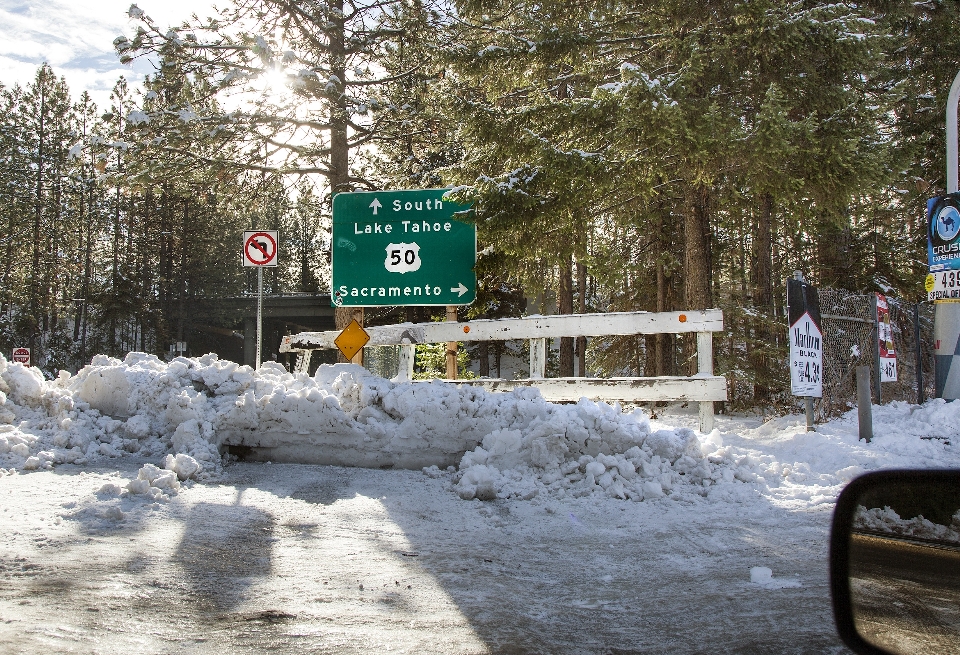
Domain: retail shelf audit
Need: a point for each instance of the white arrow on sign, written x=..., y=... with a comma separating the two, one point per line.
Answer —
x=459, y=289
x=376, y=205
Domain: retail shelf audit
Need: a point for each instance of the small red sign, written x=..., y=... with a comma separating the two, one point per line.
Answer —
x=22, y=355
x=260, y=248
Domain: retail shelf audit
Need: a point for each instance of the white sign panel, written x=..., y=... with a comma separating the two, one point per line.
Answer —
x=806, y=358
x=260, y=247
x=942, y=285
x=22, y=355
x=885, y=349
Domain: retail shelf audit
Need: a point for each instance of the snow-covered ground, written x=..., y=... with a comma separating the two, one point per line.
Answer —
x=561, y=528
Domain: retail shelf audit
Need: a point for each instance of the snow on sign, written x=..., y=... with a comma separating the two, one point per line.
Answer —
x=22, y=355
x=888, y=356
x=260, y=247
x=806, y=340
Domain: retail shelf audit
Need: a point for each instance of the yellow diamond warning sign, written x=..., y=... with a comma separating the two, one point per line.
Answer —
x=352, y=339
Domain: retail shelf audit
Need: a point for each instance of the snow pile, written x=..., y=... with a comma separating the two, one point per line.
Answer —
x=111, y=408
x=593, y=448
x=887, y=521
x=181, y=416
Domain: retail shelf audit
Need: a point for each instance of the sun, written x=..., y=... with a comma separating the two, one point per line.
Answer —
x=273, y=82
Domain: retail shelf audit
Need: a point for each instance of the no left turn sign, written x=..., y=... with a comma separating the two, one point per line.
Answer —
x=260, y=247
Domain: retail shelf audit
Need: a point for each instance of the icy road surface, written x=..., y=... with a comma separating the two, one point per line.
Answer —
x=313, y=559
x=580, y=528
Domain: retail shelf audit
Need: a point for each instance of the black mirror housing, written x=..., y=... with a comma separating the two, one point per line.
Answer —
x=895, y=562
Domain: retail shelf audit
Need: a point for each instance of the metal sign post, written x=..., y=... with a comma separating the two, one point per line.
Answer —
x=943, y=236
x=260, y=249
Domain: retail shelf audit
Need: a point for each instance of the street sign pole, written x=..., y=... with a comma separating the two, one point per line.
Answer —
x=259, y=314
x=946, y=318
x=260, y=249
x=878, y=393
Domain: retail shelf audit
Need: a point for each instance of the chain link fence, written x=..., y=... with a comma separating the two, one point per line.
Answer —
x=849, y=333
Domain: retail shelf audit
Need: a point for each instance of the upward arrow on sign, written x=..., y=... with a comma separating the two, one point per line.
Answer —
x=376, y=205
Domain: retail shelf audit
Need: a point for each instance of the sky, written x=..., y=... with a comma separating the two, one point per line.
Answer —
x=76, y=38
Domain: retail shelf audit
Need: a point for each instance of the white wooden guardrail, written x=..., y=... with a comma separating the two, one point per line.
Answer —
x=704, y=387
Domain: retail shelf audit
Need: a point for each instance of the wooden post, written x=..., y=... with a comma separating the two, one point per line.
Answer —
x=405, y=368
x=303, y=361
x=538, y=358
x=452, y=346
x=358, y=317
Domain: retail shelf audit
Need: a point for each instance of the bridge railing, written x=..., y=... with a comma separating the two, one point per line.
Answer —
x=704, y=387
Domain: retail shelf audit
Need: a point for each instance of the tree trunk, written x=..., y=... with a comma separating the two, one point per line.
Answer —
x=698, y=265
x=565, y=298
x=483, y=352
x=182, y=291
x=582, y=299
x=37, y=222
x=339, y=147
x=761, y=280
x=834, y=251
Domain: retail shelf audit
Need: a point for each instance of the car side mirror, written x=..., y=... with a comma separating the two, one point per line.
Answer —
x=895, y=563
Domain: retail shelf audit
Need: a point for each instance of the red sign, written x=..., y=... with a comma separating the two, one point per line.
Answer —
x=22, y=355
x=887, y=353
x=260, y=248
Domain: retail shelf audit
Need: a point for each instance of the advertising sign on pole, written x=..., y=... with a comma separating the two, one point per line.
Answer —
x=886, y=351
x=806, y=340
x=402, y=248
x=943, y=247
x=22, y=355
x=943, y=232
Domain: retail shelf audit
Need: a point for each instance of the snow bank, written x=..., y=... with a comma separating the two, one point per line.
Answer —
x=589, y=448
x=183, y=415
x=887, y=521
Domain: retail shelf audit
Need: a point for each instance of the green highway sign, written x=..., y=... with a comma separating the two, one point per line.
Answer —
x=402, y=248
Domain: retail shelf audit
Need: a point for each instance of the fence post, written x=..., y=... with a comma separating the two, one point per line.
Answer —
x=705, y=367
x=405, y=365
x=302, y=364
x=918, y=354
x=452, y=346
x=538, y=358
x=864, y=407
x=878, y=393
